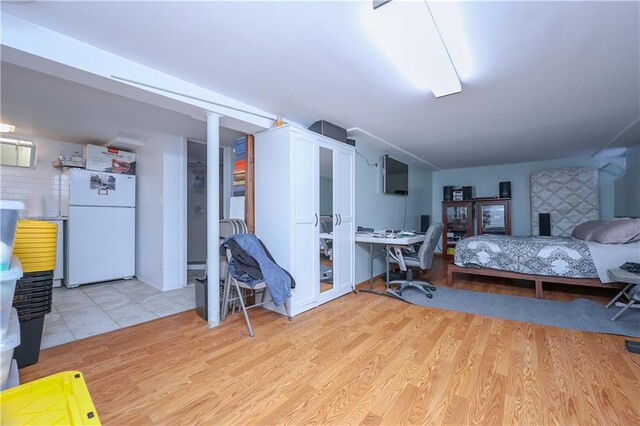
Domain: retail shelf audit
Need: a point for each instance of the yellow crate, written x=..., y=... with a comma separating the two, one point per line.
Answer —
x=27, y=244
x=59, y=399
x=35, y=245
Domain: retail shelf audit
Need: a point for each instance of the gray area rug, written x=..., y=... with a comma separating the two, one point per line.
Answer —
x=580, y=314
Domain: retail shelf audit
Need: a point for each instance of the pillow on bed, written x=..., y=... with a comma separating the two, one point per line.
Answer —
x=620, y=231
x=585, y=230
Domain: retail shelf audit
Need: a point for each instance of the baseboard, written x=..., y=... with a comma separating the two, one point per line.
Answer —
x=149, y=282
x=366, y=282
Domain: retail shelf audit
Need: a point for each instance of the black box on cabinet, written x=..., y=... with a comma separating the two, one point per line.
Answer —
x=329, y=130
x=468, y=192
x=505, y=189
x=447, y=193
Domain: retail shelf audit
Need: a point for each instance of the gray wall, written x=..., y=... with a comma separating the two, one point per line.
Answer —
x=486, y=180
x=377, y=210
x=627, y=188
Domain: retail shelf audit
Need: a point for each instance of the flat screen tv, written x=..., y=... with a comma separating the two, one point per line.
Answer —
x=396, y=177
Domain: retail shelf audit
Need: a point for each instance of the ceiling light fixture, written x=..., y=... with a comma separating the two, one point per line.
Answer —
x=407, y=34
x=7, y=128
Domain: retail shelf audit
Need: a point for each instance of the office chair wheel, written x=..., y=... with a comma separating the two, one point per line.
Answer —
x=429, y=296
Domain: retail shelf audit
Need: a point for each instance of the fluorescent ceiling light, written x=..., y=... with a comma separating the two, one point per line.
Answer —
x=7, y=128
x=406, y=33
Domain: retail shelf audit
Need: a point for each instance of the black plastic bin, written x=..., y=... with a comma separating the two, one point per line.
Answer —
x=32, y=299
x=28, y=352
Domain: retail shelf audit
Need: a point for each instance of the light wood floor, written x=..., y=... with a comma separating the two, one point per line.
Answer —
x=361, y=359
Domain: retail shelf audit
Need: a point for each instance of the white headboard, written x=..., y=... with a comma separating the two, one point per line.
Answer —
x=570, y=195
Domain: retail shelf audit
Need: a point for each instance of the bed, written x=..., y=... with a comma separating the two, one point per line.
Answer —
x=564, y=260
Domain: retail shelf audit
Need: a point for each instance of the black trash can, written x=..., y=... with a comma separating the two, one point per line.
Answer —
x=32, y=299
x=30, y=339
x=201, y=299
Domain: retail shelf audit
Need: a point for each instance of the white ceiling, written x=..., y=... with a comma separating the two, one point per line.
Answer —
x=43, y=106
x=548, y=79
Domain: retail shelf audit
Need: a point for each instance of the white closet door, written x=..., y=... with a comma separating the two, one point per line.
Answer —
x=344, y=232
x=305, y=245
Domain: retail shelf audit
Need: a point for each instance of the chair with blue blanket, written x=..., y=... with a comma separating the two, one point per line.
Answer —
x=238, y=287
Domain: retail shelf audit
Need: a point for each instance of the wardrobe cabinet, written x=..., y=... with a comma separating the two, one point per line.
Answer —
x=304, y=211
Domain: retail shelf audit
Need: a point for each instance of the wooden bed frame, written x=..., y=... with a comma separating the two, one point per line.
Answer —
x=537, y=279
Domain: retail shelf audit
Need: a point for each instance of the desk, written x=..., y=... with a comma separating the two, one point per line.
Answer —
x=370, y=239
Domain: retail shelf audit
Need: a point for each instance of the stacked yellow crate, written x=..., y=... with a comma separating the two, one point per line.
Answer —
x=35, y=245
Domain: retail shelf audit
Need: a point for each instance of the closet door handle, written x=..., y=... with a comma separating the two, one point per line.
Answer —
x=316, y=215
x=340, y=219
x=336, y=224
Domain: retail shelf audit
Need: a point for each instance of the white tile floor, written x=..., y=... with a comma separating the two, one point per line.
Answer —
x=97, y=308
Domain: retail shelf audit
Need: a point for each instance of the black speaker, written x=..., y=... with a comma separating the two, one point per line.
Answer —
x=545, y=224
x=425, y=222
x=468, y=193
x=505, y=189
x=447, y=193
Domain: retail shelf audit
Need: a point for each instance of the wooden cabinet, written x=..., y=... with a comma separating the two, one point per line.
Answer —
x=290, y=164
x=493, y=217
x=457, y=217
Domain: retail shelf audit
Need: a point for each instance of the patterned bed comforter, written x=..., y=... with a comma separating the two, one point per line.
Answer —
x=552, y=256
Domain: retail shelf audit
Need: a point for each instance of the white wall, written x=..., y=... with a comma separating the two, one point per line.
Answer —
x=377, y=210
x=160, y=207
x=627, y=188
x=149, y=212
x=174, y=211
x=18, y=182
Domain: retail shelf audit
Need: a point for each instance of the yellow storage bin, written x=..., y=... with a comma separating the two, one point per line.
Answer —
x=59, y=399
x=35, y=245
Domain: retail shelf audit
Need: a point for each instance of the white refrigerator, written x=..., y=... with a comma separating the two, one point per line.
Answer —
x=101, y=226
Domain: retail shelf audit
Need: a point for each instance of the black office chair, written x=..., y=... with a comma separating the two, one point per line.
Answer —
x=407, y=259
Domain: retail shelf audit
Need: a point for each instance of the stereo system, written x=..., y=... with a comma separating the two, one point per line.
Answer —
x=467, y=193
x=452, y=193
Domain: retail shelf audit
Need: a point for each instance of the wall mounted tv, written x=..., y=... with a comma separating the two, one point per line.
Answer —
x=396, y=177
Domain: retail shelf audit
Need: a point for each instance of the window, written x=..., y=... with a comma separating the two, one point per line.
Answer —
x=17, y=153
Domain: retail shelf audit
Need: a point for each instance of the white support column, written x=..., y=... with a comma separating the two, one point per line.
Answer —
x=213, y=219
